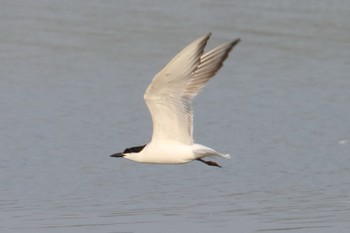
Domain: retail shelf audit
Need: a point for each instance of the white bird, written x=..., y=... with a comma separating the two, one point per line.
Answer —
x=169, y=100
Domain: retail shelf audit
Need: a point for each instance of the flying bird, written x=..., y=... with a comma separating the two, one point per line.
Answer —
x=169, y=100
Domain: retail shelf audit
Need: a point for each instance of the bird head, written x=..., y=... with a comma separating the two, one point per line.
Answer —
x=129, y=153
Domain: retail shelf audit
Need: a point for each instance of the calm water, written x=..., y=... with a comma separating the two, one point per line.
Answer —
x=72, y=76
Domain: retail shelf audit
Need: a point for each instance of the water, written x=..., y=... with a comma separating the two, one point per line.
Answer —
x=72, y=80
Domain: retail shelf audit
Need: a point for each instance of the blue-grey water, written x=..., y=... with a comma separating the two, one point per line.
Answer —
x=72, y=77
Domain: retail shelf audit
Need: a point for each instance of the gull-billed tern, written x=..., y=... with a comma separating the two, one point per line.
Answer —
x=169, y=100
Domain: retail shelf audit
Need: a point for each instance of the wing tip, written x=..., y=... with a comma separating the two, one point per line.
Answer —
x=236, y=41
x=231, y=45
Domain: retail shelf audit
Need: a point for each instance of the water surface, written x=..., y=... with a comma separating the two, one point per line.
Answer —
x=72, y=79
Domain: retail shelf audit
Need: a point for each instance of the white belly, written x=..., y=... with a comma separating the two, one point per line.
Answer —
x=166, y=152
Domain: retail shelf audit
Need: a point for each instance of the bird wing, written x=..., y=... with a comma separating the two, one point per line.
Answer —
x=169, y=96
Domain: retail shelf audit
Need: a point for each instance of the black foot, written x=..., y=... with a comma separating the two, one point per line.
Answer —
x=210, y=163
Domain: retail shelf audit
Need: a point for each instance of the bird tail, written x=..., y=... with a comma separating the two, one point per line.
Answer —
x=201, y=151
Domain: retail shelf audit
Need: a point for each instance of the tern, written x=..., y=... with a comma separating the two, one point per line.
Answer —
x=169, y=100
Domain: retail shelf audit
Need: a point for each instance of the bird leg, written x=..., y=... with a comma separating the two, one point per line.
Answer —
x=210, y=163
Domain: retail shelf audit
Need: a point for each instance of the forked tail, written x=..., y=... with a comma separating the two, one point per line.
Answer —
x=201, y=151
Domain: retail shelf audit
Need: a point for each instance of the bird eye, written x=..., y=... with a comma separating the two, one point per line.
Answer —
x=127, y=150
x=134, y=149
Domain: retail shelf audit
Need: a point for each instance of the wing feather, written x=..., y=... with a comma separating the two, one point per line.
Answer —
x=209, y=64
x=169, y=96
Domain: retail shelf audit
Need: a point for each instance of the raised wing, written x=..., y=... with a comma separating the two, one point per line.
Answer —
x=169, y=96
